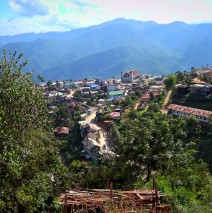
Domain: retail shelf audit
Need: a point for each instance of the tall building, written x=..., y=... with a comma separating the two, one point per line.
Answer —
x=129, y=76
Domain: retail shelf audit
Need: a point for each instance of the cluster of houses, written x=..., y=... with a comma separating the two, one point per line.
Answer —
x=106, y=93
x=91, y=139
x=109, y=90
x=201, y=89
x=201, y=85
x=206, y=74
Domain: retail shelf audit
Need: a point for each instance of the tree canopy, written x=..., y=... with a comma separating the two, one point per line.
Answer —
x=30, y=166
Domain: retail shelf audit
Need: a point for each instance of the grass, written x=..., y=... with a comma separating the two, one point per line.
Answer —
x=143, y=111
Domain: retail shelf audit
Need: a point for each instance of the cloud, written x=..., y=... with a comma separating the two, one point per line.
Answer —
x=35, y=24
x=60, y=15
x=163, y=11
x=29, y=8
x=82, y=3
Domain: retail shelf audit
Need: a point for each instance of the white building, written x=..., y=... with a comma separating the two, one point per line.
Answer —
x=115, y=95
x=183, y=111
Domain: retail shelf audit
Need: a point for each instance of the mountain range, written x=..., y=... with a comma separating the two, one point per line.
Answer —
x=121, y=44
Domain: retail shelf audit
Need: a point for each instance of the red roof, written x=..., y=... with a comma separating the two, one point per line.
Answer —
x=190, y=110
x=61, y=131
x=115, y=114
x=134, y=72
x=145, y=96
x=208, y=74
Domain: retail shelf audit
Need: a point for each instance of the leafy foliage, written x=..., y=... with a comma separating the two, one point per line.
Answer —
x=29, y=160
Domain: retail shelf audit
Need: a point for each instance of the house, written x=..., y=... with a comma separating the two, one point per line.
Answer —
x=84, y=128
x=110, y=87
x=60, y=84
x=183, y=111
x=78, y=83
x=201, y=89
x=68, y=84
x=61, y=131
x=115, y=95
x=101, y=102
x=114, y=115
x=159, y=83
x=130, y=76
x=89, y=83
x=91, y=135
x=140, y=87
x=158, y=78
x=91, y=145
x=131, y=92
x=208, y=75
x=182, y=89
x=157, y=87
x=94, y=86
x=145, y=97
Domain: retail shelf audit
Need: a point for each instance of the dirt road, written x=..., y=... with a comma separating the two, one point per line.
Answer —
x=136, y=105
x=164, y=106
x=102, y=133
x=70, y=95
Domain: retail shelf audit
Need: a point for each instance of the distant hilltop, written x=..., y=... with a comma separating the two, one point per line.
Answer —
x=106, y=49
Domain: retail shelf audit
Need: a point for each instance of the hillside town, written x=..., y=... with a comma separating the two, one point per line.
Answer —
x=135, y=143
x=101, y=102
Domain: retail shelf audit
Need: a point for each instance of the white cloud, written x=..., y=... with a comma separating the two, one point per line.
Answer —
x=162, y=11
x=60, y=15
x=27, y=25
x=29, y=7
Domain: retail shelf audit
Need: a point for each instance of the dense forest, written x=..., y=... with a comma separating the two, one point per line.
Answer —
x=36, y=166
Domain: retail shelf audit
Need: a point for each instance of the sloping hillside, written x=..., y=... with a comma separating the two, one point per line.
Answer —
x=104, y=50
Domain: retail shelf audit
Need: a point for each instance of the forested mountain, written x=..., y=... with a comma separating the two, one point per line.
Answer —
x=106, y=49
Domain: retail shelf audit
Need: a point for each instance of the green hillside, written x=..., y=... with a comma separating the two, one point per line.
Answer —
x=106, y=49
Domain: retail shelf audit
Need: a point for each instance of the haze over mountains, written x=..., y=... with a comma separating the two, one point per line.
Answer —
x=106, y=49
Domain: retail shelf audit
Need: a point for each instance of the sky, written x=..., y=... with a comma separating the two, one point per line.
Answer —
x=24, y=16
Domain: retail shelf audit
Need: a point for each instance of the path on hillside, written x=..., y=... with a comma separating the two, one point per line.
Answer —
x=70, y=95
x=137, y=104
x=166, y=100
x=102, y=133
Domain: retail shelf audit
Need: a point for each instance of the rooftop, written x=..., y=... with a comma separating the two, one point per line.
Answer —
x=190, y=110
x=115, y=114
x=61, y=131
x=145, y=96
x=118, y=92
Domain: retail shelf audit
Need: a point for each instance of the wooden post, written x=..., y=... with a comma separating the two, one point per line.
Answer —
x=111, y=190
x=156, y=194
x=65, y=205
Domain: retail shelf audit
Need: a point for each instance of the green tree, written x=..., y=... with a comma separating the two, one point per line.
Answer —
x=151, y=143
x=40, y=78
x=170, y=81
x=49, y=83
x=29, y=161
